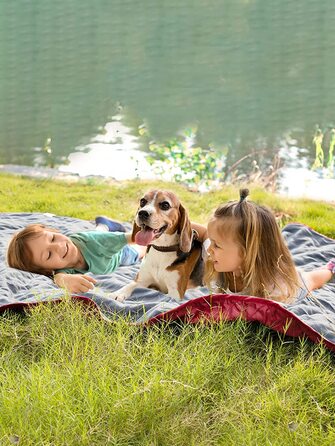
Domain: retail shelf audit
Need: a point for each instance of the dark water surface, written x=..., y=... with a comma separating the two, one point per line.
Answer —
x=246, y=72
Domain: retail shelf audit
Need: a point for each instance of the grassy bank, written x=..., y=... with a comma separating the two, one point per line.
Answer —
x=119, y=200
x=68, y=378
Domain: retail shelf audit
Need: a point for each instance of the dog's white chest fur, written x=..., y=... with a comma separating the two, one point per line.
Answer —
x=162, y=221
x=153, y=273
x=154, y=268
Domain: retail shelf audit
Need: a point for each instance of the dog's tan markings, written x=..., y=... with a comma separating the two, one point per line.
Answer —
x=169, y=197
x=151, y=198
x=173, y=221
x=171, y=216
x=185, y=269
x=150, y=194
x=185, y=230
x=135, y=230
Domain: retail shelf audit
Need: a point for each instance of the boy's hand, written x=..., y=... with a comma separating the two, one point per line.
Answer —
x=75, y=283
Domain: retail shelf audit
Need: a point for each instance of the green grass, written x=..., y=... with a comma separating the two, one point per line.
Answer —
x=87, y=199
x=69, y=378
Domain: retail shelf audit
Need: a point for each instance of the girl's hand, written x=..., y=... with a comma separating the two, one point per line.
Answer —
x=75, y=283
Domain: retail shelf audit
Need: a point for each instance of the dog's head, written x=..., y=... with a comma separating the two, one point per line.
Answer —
x=160, y=212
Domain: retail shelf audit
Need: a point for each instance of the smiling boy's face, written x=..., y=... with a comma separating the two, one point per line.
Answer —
x=52, y=251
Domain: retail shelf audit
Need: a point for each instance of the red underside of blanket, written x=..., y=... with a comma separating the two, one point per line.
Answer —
x=218, y=307
x=227, y=307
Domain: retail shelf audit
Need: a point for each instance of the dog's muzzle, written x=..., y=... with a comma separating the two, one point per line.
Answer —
x=147, y=233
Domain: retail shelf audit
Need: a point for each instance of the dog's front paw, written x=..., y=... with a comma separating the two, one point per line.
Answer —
x=123, y=293
x=118, y=296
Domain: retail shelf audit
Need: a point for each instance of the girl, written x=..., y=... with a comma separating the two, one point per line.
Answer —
x=43, y=250
x=248, y=254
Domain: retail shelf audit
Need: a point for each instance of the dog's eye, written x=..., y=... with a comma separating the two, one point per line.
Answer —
x=143, y=202
x=164, y=205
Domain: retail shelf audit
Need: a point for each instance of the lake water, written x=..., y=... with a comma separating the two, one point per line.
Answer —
x=249, y=74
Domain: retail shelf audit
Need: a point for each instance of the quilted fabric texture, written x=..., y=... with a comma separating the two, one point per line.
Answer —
x=312, y=316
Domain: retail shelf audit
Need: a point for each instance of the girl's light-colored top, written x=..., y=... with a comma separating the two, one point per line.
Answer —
x=276, y=293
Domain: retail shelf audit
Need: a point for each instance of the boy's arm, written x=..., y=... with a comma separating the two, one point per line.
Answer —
x=74, y=283
x=128, y=237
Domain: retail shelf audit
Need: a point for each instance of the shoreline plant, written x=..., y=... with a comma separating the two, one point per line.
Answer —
x=202, y=169
x=324, y=140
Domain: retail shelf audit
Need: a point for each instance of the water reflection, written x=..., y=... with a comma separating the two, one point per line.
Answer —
x=304, y=183
x=115, y=152
x=298, y=180
x=240, y=69
x=245, y=71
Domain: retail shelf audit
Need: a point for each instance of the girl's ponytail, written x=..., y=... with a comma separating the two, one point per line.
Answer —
x=243, y=194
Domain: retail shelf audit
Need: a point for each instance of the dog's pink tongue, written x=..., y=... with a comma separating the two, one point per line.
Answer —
x=144, y=237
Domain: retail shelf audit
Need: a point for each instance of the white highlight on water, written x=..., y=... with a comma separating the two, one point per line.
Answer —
x=115, y=153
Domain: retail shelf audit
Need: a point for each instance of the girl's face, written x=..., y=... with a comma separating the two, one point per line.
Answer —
x=52, y=250
x=224, y=250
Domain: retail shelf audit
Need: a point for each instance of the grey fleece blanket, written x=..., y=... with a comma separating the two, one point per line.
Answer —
x=22, y=287
x=309, y=249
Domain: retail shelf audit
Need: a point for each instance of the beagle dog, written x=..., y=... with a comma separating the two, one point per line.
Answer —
x=173, y=261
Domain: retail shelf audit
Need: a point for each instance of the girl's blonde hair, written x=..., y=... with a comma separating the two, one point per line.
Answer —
x=267, y=263
x=19, y=255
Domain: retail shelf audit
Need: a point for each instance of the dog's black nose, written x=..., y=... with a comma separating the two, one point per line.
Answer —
x=144, y=215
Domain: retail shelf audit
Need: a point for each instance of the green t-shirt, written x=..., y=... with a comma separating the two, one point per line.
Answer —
x=102, y=251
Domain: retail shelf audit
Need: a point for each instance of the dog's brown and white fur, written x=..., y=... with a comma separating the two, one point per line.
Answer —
x=173, y=260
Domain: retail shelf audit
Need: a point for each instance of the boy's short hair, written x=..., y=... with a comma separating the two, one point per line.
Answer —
x=19, y=255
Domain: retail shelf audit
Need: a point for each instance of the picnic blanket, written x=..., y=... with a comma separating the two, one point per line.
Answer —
x=312, y=316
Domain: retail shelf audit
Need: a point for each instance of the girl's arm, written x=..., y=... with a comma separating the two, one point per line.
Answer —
x=74, y=283
x=201, y=230
x=317, y=278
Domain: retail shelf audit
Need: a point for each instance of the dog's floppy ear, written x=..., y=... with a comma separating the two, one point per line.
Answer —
x=185, y=230
x=136, y=229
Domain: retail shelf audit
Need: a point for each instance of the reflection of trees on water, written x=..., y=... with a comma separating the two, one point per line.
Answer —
x=240, y=70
